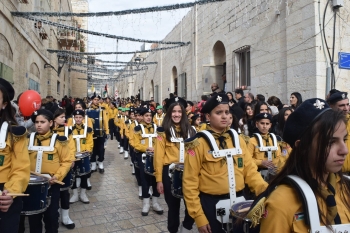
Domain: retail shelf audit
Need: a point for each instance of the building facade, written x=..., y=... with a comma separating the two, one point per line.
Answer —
x=24, y=59
x=266, y=47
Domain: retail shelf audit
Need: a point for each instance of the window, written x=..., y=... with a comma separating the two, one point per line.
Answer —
x=6, y=73
x=33, y=85
x=182, y=82
x=242, y=67
x=58, y=87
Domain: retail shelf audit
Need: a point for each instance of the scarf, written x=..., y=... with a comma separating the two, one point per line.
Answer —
x=79, y=127
x=94, y=106
x=220, y=136
x=266, y=137
x=149, y=127
x=59, y=129
x=41, y=138
x=328, y=194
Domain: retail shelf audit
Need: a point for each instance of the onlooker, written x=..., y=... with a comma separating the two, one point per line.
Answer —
x=260, y=97
x=295, y=100
x=231, y=101
x=275, y=101
x=215, y=88
x=239, y=97
x=248, y=98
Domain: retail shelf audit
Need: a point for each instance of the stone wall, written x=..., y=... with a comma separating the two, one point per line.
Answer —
x=285, y=50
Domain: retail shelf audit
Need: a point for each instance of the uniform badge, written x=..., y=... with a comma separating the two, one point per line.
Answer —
x=84, y=141
x=142, y=142
x=264, y=215
x=319, y=104
x=219, y=99
x=177, y=99
x=284, y=152
x=2, y=159
x=343, y=96
x=50, y=157
x=240, y=162
x=299, y=216
x=159, y=138
x=191, y=152
x=265, y=115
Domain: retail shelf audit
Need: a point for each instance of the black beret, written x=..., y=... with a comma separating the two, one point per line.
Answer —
x=132, y=109
x=194, y=117
x=79, y=112
x=95, y=96
x=190, y=103
x=214, y=101
x=114, y=104
x=8, y=87
x=338, y=96
x=302, y=118
x=43, y=112
x=143, y=111
x=261, y=116
x=176, y=100
x=137, y=110
x=82, y=103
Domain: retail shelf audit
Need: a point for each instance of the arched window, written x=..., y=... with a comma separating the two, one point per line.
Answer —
x=34, y=69
x=5, y=48
x=34, y=77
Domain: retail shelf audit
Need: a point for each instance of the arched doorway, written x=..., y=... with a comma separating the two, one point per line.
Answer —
x=174, y=74
x=219, y=55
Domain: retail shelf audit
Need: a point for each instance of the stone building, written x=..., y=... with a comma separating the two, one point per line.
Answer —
x=267, y=47
x=24, y=59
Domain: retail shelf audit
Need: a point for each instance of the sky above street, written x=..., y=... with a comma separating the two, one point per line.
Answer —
x=152, y=26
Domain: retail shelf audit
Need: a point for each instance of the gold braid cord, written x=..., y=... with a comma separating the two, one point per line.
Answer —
x=256, y=212
x=192, y=144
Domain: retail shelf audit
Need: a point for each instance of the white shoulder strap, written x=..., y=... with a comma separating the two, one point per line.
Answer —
x=181, y=143
x=149, y=136
x=194, y=128
x=66, y=132
x=3, y=134
x=269, y=149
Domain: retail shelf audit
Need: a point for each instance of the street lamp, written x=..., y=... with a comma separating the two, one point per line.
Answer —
x=137, y=60
x=61, y=61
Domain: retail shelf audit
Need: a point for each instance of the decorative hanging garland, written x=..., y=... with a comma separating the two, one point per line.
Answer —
x=48, y=22
x=128, y=63
x=116, y=13
x=67, y=53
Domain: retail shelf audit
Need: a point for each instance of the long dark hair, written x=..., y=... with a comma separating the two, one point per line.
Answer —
x=184, y=123
x=280, y=120
x=7, y=114
x=299, y=98
x=257, y=107
x=312, y=170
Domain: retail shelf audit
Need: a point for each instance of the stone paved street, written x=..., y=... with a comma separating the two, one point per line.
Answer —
x=114, y=204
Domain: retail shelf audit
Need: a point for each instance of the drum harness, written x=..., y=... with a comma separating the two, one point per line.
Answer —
x=3, y=134
x=149, y=136
x=268, y=150
x=79, y=136
x=223, y=206
x=41, y=149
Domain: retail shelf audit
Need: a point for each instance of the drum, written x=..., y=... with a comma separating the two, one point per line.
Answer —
x=68, y=181
x=238, y=212
x=37, y=201
x=97, y=117
x=149, y=165
x=176, y=186
x=82, y=166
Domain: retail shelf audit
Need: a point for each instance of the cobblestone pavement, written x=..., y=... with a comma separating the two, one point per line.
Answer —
x=114, y=204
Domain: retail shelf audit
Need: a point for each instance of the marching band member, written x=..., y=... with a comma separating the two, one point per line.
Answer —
x=113, y=111
x=14, y=162
x=59, y=128
x=175, y=125
x=318, y=136
x=159, y=116
x=339, y=101
x=189, y=108
x=206, y=178
x=56, y=164
x=144, y=136
x=117, y=121
x=196, y=123
x=99, y=135
x=79, y=105
x=85, y=145
x=135, y=170
x=264, y=159
x=124, y=126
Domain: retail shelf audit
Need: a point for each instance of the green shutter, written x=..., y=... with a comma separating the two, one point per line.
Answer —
x=6, y=73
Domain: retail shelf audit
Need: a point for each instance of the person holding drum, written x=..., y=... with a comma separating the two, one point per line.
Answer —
x=14, y=162
x=112, y=113
x=124, y=131
x=62, y=130
x=84, y=143
x=311, y=182
x=206, y=175
x=143, y=139
x=167, y=153
x=159, y=116
x=52, y=159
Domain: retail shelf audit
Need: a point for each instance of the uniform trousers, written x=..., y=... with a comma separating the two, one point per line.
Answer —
x=98, y=150
x=174, y=205
x=126, y=143
x=112, y=128
x=50, y=216
x=134, y=160
x=117, y=133
x=83, y=181
x=146, y=180
x=9, y=221
x=64, y=198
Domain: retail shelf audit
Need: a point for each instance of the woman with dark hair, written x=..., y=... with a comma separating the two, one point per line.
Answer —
x=14, y=161
x=281, y=120
x=246, y=123
x=167, y=153
x=315, y=163
x=275, y=101
x=231, y=100
x=261, y=107
x=295, y=100
x=55, y=163
x=60, y=129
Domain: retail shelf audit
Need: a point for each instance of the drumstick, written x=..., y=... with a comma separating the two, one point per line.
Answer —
x=77, y=160
x=17, y=194
x=38, y=174
x=243, y=210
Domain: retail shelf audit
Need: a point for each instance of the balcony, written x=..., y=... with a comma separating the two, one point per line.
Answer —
x=67, y=38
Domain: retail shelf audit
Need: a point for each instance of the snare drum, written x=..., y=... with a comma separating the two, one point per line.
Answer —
x=68, y=181
x=37, y=201
x=149, y=165
x=82, y=166
x=176, y=186
x=239, y=211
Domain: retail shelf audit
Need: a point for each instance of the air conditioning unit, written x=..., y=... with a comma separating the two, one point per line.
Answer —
x=338, y=3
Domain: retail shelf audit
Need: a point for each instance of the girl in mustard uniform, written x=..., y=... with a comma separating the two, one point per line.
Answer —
x=14, y=163
x=318, y=137
x=167, y=153
x=56, y=164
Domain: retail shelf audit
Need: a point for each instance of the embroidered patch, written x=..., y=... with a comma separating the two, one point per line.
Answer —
x=142, y=142
x=159, y=138
x=191, y=152
x=240, y=162
x=264, y=215
x=84, y=141
x=284, y=152
x=2, y=159
x=50, y=157
x=299, y=216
